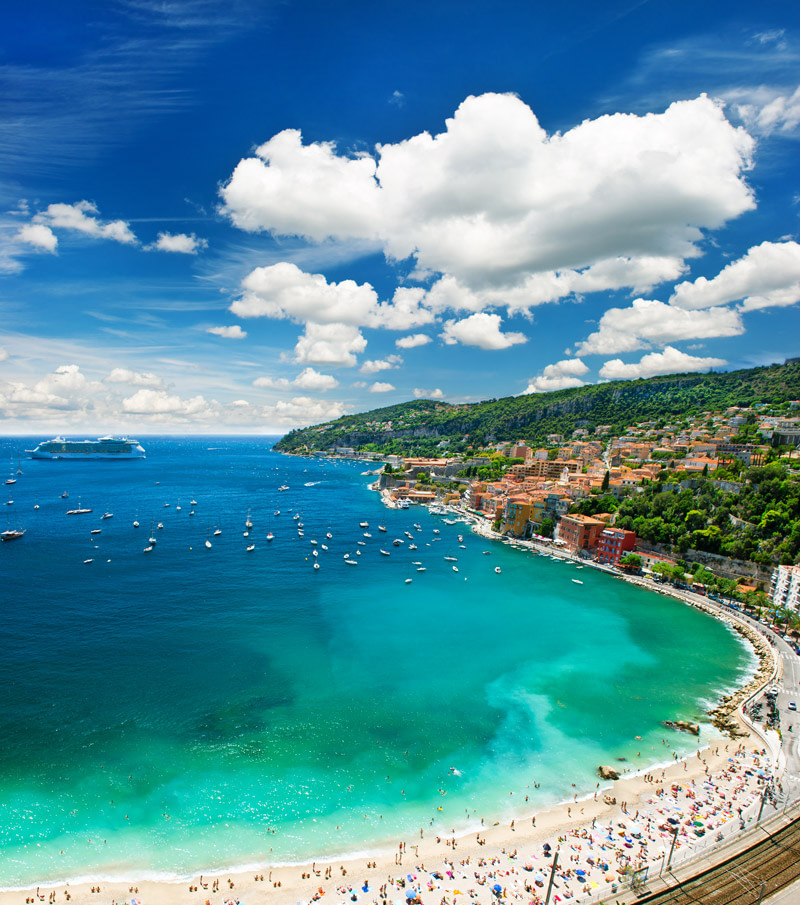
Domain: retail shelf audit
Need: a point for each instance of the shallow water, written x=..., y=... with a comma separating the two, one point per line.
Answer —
x=193, y=708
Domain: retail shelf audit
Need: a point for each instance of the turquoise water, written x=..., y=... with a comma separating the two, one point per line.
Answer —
x=191, y=708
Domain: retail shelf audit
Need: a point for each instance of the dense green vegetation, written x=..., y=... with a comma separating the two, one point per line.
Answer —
x=425, y=427
x=760, y=523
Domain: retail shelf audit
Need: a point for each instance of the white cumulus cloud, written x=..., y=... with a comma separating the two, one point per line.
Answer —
x=331, y=344
x=768, y=275
x=284, y=291
x=233, y=332
x=482, y=330
x=302, y=410
x=669, y=361
x=308, y=379
x=767, y=109
x=80, y=217
x=649, y=322
x=419, y=393
x=412, y=341
x=180, y=243
x=381, y=364
x=160, y=402
x=134, y=378
x=379, y=387
x=38, y=235
x=307, y=190
x=494, y=199
x=559, y=376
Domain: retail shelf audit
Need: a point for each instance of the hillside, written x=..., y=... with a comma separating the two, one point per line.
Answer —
x=418, y=427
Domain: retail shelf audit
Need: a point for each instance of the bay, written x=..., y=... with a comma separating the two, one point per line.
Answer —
x=193, y=708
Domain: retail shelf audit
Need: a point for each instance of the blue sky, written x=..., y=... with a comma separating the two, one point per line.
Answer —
x=246, y=216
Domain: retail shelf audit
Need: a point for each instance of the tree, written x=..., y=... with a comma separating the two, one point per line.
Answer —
x=547, y=527
x=632, y=562
x=606, y=482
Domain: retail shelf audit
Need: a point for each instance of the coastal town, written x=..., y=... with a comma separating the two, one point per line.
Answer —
x=571, y=493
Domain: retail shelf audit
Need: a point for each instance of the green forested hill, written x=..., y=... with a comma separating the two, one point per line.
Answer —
x=418, y=427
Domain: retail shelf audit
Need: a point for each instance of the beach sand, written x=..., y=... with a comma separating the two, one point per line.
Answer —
x=715, y=786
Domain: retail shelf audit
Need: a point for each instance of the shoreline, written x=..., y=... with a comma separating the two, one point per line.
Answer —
x=302, y=882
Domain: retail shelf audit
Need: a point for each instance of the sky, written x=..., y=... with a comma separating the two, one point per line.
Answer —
x=243, y=216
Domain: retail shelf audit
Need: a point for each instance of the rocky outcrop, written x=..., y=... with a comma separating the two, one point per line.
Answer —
x=722, y=716
x=607, y=773
x=683, y=726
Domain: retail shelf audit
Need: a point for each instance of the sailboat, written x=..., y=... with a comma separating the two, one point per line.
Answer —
x=248, y=524
x=12, y=533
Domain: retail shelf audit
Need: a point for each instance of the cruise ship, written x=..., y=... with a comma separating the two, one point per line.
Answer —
x=102, y=448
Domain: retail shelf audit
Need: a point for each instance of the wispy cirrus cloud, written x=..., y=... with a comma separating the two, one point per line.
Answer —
x=54, y=115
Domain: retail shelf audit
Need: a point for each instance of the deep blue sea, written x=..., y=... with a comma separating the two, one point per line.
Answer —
x=192, y=708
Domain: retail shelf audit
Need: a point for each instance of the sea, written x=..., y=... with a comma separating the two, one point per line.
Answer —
x=201, y=708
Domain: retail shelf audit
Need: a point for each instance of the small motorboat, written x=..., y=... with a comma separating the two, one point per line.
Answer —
x=208, y=544
x=385, y=553
x=107, y=515
x=251, y=548
x=381, y=528
x=270, y=536
x=497, y=569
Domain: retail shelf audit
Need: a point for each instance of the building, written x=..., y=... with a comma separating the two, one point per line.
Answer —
x=579, y=532
x=517, y=516
x=613, y=543
x=784, y=589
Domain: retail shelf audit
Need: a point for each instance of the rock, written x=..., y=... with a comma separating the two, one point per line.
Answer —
x=683, y=726
x=607, y=773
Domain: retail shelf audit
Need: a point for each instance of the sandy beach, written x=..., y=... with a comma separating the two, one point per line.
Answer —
x=625, y=825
